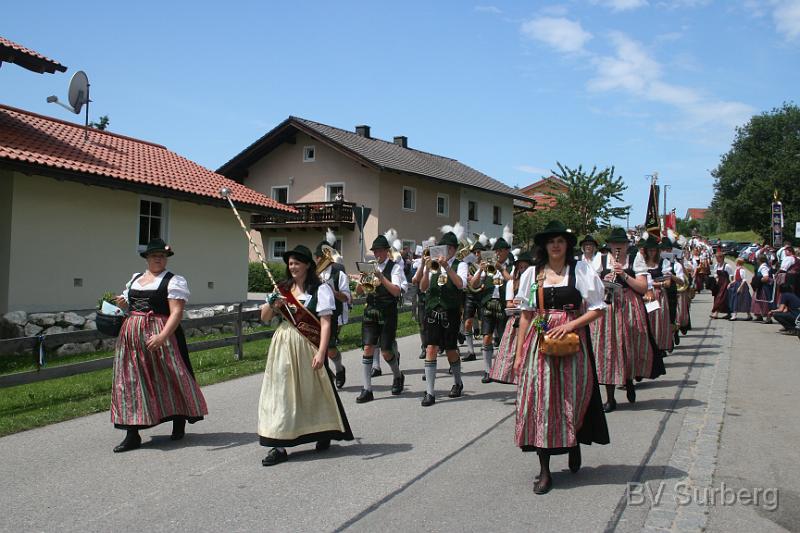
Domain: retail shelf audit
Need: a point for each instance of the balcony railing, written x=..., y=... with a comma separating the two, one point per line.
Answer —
x=310, y=214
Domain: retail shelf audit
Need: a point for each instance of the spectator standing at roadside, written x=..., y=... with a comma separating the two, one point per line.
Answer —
x=739, y=292
x=762, y=287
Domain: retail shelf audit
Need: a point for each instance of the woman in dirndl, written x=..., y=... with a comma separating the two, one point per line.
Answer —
x=153, y=377
x=558, y=399
x=684, y=289
x=299, y=403
x=722, y=273
x=503, y=364
x=660, y=276
x=739, y=292
x=761, y=304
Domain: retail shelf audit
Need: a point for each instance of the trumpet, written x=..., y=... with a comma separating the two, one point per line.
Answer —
x=368, y=281
x=329, y=256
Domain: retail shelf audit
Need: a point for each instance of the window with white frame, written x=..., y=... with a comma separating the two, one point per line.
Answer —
x=277, y=247
x=152, y=220
x=334, y=192
x=472, y=210
x=497, y=215
x=409, y=199
x=443, y=205
x=280, y=194
x=309, y=154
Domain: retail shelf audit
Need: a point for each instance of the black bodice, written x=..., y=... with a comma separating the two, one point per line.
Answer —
x=567, y=298
x=606, y=271
x=142, y=301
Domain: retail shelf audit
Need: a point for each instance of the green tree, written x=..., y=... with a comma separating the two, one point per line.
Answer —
x=764, y=157
x=101, y=124
x=586, y=206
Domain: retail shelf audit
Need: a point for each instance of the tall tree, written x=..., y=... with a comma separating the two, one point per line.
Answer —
x=764, y=157
x=587, y=202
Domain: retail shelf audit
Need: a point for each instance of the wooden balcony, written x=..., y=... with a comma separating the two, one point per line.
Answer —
x=311, y=215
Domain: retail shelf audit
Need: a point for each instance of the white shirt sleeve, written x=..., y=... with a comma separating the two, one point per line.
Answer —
x=399, y=277
x=666, y=267
x=344, y=286
x=678, y=269
x=787, y=262
x=128, y=285
x=463, y=272
x=510, y=290
x=763, y=270
x=527, y=302
x=590, y=286
x=325, y=301
x=178, y=289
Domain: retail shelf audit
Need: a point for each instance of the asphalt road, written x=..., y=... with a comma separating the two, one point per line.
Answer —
x=450, y=467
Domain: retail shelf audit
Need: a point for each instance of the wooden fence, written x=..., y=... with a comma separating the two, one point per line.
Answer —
x=13, y=347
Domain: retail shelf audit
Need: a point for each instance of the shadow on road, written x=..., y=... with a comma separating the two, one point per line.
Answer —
x=214, y=441
x=661, y=404
x=612, y=475
x=366, y=451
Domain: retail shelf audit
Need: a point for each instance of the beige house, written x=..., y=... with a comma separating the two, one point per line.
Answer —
x=309, y=166
x=75, y=211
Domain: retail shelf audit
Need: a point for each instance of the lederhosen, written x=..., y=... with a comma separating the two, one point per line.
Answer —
x=379, y=327
x=473, y=307
x=336, y=271
x=493, y=312
x=443, y=311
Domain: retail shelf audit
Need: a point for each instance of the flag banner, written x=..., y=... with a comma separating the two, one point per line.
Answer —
x=671, y=222
x=777, y=224
x=652, y=223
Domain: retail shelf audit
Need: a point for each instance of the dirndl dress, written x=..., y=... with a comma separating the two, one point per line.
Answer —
x=739, y=297
x=659, y=320
x=721, y=304
x=558, y=398
x=503, y=365
x=152, y=387
x=299, y=404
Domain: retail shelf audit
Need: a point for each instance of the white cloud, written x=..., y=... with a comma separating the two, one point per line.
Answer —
x=787, y=18
x=528, y=169
x=562, y=34
x=621, y=5
x=489, y=9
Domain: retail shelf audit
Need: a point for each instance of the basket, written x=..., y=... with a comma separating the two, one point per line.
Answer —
x=109, y=325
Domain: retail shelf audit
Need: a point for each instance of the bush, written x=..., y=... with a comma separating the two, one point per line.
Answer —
x=257, y=279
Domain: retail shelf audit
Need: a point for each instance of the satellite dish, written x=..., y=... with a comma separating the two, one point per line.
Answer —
x=78, y=93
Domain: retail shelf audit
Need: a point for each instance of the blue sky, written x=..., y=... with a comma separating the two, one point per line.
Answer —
x=506, y=87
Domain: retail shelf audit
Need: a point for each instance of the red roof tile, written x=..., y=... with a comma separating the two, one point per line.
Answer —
x=12, y=52
x=696, y=213
x=47, y=142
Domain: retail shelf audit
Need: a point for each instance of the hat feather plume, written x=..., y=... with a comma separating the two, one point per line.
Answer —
x=397, y=244
x=492, y=241
x=483, y=239
x=330, y=237
x=391, y=235
x=507, y=235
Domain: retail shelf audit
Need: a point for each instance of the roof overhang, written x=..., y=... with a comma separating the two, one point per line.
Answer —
x=29, y=60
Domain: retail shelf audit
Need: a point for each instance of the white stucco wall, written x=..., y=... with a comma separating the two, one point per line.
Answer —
x=486, y=201
x=63, y=230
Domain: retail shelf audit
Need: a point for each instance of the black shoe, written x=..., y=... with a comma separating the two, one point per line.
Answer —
x=543, y=487
x=274, y=457
x=462, y=338
x=469, y=357
x=178, y=429
x=610, y=406
x=575, y=459
x=397, y=384
x=486, y=378
x=131, y=442
x=476, y=334
x=340, y=378
x=376, y=372
x=456, y=390
x=684, y=331
x=630, y=392
x=365, y=396
x=323, y=445
x=422, y=354
x=676, y=339
x=428, y=400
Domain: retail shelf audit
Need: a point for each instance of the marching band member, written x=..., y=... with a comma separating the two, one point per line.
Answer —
x=683, y=285
x=334, y=275
x=590, y=255
x=472, y=300
x=419, y=304
x=379, y=327
x=503, y=365
x=298, y=402
x=443, y=286
x=660, y=324
x=558, y=399
x=620, y=338
x=492, y=301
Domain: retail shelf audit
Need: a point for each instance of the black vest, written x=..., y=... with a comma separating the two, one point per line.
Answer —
x=381, y=297
x=566, y=298
x=446, y=296
x=606, y=271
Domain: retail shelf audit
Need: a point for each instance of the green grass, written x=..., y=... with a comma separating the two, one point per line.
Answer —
x=738, y=236
x=46, y=402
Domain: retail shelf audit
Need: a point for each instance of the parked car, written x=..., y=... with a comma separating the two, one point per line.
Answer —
x=748, y=253
x=729, y=247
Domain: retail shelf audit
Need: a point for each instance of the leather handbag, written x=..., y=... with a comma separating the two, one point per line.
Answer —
x=569, y=344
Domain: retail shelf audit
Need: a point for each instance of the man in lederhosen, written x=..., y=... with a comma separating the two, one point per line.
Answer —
x=379, y=327
x=472, y=301
x=335, y=276
x=443, y=315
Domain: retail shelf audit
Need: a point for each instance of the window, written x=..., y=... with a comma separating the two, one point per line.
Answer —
x=152, y=221
x=309, y=153
x=496, y=218
x=334, y=190
x=409, y=199
x=277, y=246
x=472, y=208
x=443, y=205
x=280, y=194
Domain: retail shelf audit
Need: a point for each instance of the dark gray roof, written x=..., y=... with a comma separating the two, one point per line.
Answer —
x=386, y=155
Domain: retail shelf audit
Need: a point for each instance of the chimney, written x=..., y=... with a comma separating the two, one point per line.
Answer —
x=363, y=131
x=401, y=140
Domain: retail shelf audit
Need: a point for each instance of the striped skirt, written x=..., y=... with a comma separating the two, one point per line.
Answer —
x=761, y=308
x=503, y=364
x=682, y=317
x=660, y=326
x=151, y=387
x=558, y=400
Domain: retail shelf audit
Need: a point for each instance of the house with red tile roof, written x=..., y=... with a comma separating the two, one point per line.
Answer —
x=694, y=213
x=545, y=191
x=76, y=210
x=310, y=165
x=11, y=52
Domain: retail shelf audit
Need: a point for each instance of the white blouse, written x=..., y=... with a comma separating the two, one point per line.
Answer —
x=763, y=270
x=587, y=282
x=787, y=262
x=678, y=269
x=177, y=289
x=716, y=266
x=326, y=304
